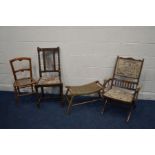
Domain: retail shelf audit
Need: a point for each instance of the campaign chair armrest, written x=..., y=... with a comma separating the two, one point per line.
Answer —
x=137, y=91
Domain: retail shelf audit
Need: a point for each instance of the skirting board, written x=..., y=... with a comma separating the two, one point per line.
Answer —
x=142, y=95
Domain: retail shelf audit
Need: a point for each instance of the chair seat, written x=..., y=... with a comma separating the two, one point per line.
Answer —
x=49, y=81
x=24, y=82
x=120, y=94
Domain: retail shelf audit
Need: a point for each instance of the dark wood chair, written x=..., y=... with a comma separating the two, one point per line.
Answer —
x=49, y=70
x=22, y=72
x=124, y=84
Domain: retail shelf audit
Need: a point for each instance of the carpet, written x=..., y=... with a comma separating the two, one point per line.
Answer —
x=51, y=114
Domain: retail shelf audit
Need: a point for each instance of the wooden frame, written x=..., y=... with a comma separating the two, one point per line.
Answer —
x=55, y=64
x=24, y=82
x=126, y=81
x=87, y=89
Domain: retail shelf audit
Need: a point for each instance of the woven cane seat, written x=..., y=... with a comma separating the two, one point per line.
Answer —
x=85, y=89
x=24, y=82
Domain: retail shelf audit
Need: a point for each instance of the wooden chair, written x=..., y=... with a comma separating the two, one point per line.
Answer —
x=22, y=72
x=124, y=84
x=49, y=70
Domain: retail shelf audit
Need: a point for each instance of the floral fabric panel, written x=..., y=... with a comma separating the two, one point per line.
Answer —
x=128, y=68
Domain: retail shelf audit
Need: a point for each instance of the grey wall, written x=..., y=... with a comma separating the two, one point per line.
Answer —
x=87, y=53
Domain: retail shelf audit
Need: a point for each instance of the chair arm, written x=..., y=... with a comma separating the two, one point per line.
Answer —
x=107, y=82
x=137, y=92
x=97, y=82
x=138, y=88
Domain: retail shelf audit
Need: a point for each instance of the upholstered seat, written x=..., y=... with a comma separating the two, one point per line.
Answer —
x=49, y=80
x=120, y=94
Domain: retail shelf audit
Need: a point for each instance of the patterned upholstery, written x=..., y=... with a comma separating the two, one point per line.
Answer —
x=120, y=94
x=124, y=85
x=128, y=68
x=49, y=80
x=23, y=82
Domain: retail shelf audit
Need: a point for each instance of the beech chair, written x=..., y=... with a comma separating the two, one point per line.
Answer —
x=49, y=70
x=124, y=85
x=22, y=72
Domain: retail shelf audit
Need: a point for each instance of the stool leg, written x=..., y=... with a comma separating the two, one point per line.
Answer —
x=70, y=105
x=66, y=97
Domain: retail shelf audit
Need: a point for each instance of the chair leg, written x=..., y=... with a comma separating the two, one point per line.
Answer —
x=99, y=94
x=61, y=95
x=42, y=91
x=32, y=88
x=70, y=104
x=61, y=90
x=129, y=113
x=37, y=96
x=105, y=103
x=16, y=95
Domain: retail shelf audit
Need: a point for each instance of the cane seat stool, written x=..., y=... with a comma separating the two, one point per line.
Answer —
x=124, y=86
x=87, y=89
x=22, y=72
x=49, y=71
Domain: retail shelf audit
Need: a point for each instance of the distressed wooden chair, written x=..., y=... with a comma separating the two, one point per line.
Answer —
x=49, y=70
x=124, y=85
x=22, y=72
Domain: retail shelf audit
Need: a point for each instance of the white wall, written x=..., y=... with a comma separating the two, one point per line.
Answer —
x=87, y=53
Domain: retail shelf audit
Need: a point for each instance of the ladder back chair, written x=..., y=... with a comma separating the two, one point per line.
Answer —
x=124, y=84
x=49, y=70
x=22, y=72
